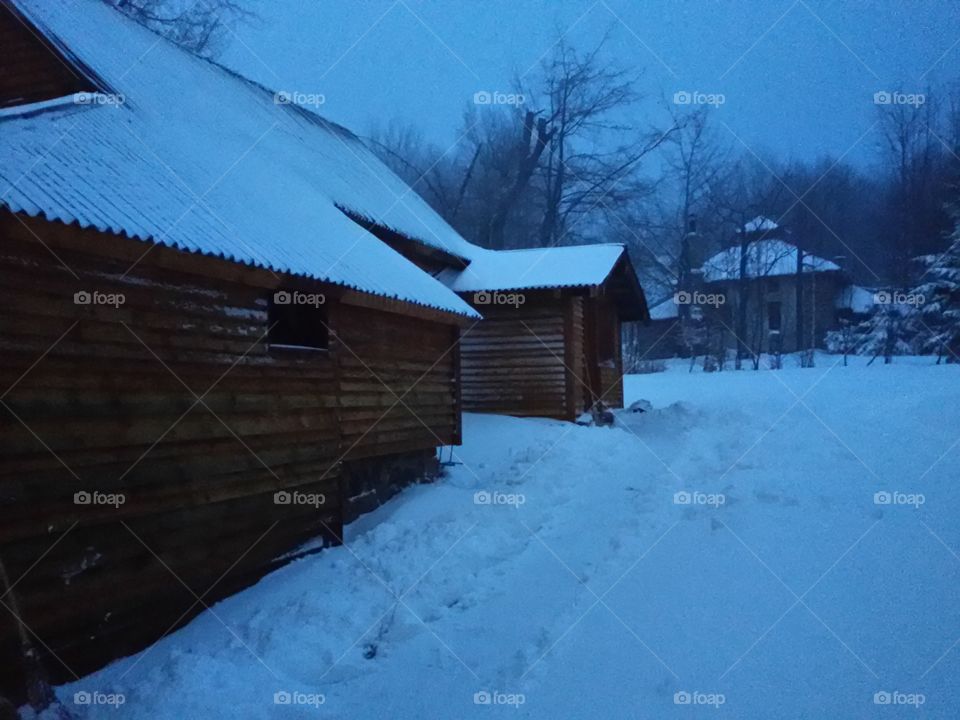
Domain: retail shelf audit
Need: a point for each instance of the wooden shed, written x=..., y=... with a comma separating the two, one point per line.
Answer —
x=206, y=365
x=550, y=341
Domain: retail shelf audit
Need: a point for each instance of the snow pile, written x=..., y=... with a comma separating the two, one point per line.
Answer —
x=749, y=544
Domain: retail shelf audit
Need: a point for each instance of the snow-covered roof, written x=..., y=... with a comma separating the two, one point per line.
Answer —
x=855, y=298
x=666, y=310
x=765, y=258
x=760, y=224
x=554, y=267
x=187, y=154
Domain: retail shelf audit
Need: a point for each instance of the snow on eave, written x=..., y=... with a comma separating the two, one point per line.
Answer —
x=272, y=268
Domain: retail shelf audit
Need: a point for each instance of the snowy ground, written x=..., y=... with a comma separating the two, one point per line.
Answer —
x=585, y=588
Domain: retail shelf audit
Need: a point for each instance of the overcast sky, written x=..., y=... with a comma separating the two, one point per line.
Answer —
x=798, y=76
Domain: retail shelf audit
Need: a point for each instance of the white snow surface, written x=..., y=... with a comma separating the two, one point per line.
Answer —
x=760, y=223
x=184, y=153
x=551, y=267
x=666, y=310
x=765, y=258
x=601, y=597
x=855, y=298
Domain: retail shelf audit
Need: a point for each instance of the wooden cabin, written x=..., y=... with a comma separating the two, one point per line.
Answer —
x=549, y=343
x=206, y=365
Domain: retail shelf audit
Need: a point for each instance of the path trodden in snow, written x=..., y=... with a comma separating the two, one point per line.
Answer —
x=759, y=545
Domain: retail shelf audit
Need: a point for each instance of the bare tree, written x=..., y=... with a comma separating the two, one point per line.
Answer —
x=592, y=153
x=197, y=26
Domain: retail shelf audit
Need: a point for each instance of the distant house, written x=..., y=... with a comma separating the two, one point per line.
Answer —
x=763, y=281
x=773, y=267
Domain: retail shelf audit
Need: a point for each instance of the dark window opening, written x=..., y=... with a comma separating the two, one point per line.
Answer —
x=773, y=316
x=773, y=285
x=608, y=337
x=297, y=320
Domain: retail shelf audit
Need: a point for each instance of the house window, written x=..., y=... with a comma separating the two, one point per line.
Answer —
x=297, y=320
x=773, y=316
x=772, y=285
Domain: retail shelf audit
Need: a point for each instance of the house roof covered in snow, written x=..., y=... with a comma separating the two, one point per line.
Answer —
x=182, y=152
x=760, y=224
x=665, y=310
x=531, y=268
x=568, y=266
x=765, y=258
x=855, y=298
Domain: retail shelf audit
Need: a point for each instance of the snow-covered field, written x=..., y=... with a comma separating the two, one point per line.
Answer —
x=556, y=573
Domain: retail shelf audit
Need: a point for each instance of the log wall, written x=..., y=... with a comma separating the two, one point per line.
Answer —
x=513, y=361
x=103, y=398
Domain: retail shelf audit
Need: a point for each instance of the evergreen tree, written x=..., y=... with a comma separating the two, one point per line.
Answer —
x=940, y=288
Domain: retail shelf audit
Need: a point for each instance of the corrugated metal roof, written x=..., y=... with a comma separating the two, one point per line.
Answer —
x=188, y=155
x=554, y=267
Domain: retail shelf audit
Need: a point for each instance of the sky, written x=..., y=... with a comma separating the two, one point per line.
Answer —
x=797, y=77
